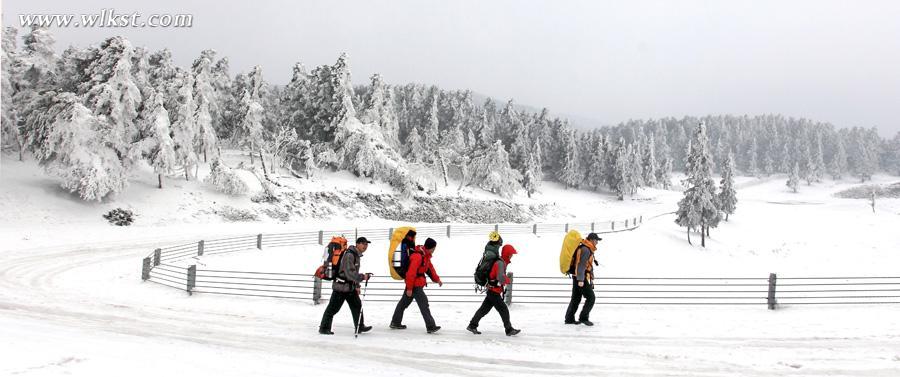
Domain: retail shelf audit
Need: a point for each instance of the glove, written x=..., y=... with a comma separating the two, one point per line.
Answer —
x=440, y=283
x=368, y=276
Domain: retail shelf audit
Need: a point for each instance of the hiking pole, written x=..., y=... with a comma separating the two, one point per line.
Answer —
x=359, y=319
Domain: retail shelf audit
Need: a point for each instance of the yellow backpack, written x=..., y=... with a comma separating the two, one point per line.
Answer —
x=395, y=256
x=569, y=245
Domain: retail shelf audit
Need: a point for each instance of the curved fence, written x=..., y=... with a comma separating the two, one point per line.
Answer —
x=160, y=267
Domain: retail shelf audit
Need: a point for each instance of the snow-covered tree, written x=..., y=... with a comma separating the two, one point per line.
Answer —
x=207, y=102
x=650, y=165
x=184, y=129
x=794, y=178
x=9, y=120
x=72, y=147
x=159, y=145
x=492, y=171
x=623, y=181
x=379, y=109
x=753, y=158
x=838, y=164
x=225, y=180
x=570, y=175
x=728, y=195
x=415, y=149
x=698, y=208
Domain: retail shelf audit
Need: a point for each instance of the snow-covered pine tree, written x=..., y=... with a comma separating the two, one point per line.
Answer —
x=184, y=129
x=69, y=144
x=753, y=158
x=818, y=159
x=838, y=164
x=415, y=148
x=160, y=146
x=728, y=195
x=570, y=175
x=636, y=171
x=650, y=165
x=786, y=161
x=794, y=178
x=698, y=208
x=622, y=181
x=11, y=134
x=225, y=180
x=492, y=171
x=379, y=109
x=207, y=103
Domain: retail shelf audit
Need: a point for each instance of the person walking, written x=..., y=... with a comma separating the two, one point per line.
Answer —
x=346, y=288
x=419, y=266
x=497, y=280
x=583, y=281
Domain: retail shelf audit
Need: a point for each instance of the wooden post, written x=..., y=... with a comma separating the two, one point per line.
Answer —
x=145, y=269
x=200, y=248
x=634, y=221
x=771, y=299
x=157, y=254
x=534, y=229
x=259, y=241
x=592, y=227
x=612, y=224
x=509, y=289
x=390, y=233
x=355, y=234
x=626, y=223
x=567, y=227
x=448, y=231
x=317, y=290
x=496, y=227
x=191, y=278
x=641, y=219
x=321, y=237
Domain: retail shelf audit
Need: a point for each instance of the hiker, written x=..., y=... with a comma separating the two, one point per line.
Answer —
x=346, y=288
x=497, y=280
x=419, y=266
x=583, y=281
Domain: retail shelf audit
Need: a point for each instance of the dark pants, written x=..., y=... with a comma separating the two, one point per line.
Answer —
x=577, y=293
x=334, y=306
x=492, y=300
x=422, y=300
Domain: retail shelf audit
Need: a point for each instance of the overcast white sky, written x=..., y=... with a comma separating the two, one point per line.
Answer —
x=836, y=61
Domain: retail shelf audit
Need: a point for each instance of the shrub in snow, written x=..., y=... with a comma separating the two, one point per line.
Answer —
x=236, y=214
x=120, y=217
x=224, y=180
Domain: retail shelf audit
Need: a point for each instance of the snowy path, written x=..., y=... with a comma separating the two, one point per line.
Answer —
x=84, y=312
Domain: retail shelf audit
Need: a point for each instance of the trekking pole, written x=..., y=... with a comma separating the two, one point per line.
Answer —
x=361, y=305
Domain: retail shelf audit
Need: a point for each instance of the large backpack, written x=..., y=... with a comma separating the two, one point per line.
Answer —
x=399, y=251
x=331, y=261
x=567, y=252
x=483, y=270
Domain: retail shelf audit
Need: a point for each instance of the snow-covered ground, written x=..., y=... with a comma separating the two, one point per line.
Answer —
x=72, y=302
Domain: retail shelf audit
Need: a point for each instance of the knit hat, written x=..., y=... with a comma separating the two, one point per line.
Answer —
x=430, y=244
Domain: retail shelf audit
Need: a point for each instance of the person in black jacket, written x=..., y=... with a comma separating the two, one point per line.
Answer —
x=346, y=288
x=583, y=281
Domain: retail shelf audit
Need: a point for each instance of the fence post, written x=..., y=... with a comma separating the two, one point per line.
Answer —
x=771, y=299
x=448, y=231
x=592, y=227
x=191, y=278
x=355, y=233
x=626, y=223
x=509, y=289
x=534, y=229
x=567, y=227
x=145, y=269
x=390, y=233
x=612, y=224
x=496, y=227
x=634, y=221
x=200, y=248
x=321, y=236
x=157, y=254
x=259, y=241
x=642, y=219
x=317, y=290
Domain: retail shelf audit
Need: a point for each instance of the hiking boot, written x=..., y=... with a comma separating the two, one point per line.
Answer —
x=325, y=331
x=363, y=329
x=473, y=329
x=511, y=332
x=587, y=322
x=433, y=330
x=571, y=322
x=397, y=326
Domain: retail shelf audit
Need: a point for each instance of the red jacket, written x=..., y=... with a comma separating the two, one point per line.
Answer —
x=419, y=266
x=498, y=270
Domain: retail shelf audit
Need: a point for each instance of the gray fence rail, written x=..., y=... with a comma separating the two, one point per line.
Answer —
x=160, y=267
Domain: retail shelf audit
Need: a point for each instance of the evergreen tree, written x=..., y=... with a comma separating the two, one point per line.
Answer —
x=379, y=109
x=650, y=165
x=184, y=129
x=839, y=160
x=207, y=103
x=161, y=147
x=728, y=195
x=794, y=177
x=570, y=175
x=493, y=173
x=698, y=208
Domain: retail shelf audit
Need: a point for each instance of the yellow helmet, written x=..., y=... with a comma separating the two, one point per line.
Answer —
x=494, y=236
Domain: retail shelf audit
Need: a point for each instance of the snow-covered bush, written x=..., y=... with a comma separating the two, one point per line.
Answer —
x=225, y=180
x=363, y=151
x=236, y=214
x=120, y=217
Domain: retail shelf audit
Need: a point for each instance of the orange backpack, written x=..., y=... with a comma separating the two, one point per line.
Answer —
x=331, y=262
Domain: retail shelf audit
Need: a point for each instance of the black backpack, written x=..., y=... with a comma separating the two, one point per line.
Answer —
x=483, y=270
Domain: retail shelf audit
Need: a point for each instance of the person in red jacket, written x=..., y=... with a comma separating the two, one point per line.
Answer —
x=419, y=266
x=494, y=299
